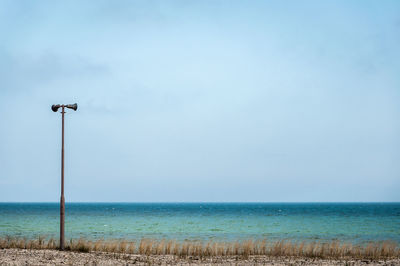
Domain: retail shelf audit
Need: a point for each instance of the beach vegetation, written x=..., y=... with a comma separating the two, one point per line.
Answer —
x=200, y=249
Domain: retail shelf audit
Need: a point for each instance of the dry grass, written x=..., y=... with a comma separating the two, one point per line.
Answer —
x=331, y=250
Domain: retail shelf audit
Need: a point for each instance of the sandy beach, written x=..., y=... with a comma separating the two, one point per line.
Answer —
x=54, y=257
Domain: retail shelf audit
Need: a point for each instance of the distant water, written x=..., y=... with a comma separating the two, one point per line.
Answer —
x=353, y=222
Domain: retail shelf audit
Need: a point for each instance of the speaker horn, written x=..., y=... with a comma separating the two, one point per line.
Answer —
x=72, y=106
x=55, y=107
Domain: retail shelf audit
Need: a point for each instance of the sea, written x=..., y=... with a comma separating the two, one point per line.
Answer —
x=347, y=222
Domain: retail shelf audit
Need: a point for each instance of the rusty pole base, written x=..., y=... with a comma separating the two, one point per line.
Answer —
x=62, y=215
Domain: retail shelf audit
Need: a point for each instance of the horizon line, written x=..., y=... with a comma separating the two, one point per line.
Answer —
x=201, y=202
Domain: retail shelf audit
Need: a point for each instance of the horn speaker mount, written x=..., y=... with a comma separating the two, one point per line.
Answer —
x=55, y=107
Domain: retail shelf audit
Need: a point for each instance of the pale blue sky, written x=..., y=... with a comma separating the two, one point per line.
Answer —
x=201, y=100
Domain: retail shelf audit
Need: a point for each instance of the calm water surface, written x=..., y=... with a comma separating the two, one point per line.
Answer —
x=355, y=222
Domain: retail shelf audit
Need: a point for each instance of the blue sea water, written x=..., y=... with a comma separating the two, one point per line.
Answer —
x=350, y=222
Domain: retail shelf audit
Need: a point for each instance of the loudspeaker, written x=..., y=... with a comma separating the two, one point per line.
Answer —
x=55, y=107
x=72, y=106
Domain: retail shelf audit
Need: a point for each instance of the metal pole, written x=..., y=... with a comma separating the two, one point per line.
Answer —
x=55, y=108
x=62, y=200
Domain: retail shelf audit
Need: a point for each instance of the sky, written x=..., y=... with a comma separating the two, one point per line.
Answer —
x=201, y=101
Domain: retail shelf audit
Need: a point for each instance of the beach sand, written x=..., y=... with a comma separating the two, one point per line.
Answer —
x=54, y=257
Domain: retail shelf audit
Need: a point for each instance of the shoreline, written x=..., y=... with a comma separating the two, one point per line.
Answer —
x=15, y=251
x=14, y=256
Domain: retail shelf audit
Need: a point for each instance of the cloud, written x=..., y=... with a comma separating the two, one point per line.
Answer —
x=27, y=72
